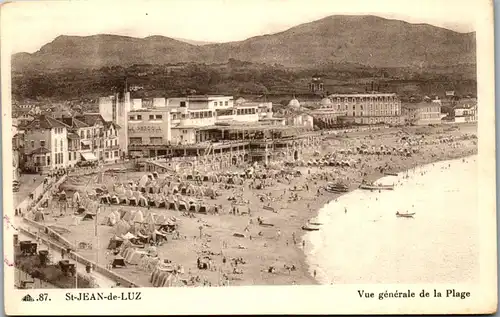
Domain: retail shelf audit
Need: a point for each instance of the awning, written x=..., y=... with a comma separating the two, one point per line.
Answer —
x=86, y=142
x=89, y=156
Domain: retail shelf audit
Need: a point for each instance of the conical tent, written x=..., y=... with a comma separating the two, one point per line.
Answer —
x=143, y=181
x=110, y=220
x=138, y=216
x=121, y=228
x=129, y=215
x=142, y=201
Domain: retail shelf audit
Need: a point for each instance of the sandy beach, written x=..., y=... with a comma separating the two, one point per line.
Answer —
x=293, y=201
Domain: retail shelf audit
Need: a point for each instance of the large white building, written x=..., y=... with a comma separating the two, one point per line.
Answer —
x=369, y=108
x=184, y=120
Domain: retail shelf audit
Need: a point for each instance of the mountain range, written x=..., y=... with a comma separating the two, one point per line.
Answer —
x=366, y=40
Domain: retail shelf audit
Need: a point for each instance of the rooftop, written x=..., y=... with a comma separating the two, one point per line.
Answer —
x=374, y=94
x=45, y=122
x=207, y=97
x=91, y=118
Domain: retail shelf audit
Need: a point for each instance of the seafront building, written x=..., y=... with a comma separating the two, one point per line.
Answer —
x=465, y=114
x=213, y=128
x=50, y=143
x=368, y=108
x=423, y=113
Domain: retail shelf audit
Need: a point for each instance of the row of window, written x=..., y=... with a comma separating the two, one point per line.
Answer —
x=385, y=113
x=365, y=99
x=220, y=103
x=151, y=117
x=87, y=134
x=58, y=130
x=113, y=154
x=369, y=107
x=152, y=140
x=59, y=159
x=196, y=115
x=246, y=111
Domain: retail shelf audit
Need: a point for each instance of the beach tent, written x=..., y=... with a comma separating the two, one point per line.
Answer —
x=134, y=256
x=106, y=199
x=170, y=204
x=138, y=216
x=203, y=208
x=129, y=215
x=143, y=181
x=121, y=228
x=194, y=206
x=181, y=205
x=189, y=190
x=110, y=220
x=132, y=201
x=142, y=201
x=160, y=275
x=158, y=201
x=114, y=200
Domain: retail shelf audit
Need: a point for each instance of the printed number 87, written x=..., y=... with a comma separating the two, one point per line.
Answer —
x=43, y=297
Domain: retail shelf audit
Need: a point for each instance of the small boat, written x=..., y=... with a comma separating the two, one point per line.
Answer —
x=310, y=227
x=337, y=188
x=376, y=187
x=391, y=174
x=405, y=215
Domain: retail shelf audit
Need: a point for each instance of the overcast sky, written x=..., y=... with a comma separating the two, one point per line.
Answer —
x=32, y=24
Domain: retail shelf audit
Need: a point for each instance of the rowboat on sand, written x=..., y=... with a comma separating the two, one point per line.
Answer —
x=310, y=227
x=405, y=215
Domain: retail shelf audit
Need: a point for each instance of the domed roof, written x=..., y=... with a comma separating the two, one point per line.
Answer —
x=240, y=100
x=294, y=103
x=326, y=101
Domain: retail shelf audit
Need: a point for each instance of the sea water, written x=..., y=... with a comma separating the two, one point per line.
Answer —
x=362, y=241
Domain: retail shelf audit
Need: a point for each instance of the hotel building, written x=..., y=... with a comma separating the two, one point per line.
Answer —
x=369, y=108
x=422, y=113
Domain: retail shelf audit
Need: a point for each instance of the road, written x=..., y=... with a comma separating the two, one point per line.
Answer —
x=55, y=257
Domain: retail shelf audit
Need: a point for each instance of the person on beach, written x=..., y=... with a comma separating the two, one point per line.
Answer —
x=345, y=210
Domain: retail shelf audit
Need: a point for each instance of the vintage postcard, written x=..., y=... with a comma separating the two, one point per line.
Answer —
x=248, y=157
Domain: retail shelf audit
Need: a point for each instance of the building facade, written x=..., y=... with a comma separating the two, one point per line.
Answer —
x=465, y=114
x=46, y=144
x=115, y=108
x=422, y=113
x=369, y=108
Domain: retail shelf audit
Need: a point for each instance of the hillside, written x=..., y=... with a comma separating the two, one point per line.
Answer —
x=365, y=40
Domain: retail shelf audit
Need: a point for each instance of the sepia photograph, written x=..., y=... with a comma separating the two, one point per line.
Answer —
x=172, y=150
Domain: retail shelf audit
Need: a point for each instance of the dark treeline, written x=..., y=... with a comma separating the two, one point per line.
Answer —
x=234, y=77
